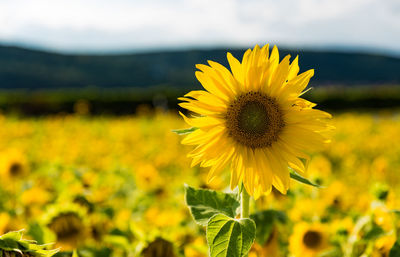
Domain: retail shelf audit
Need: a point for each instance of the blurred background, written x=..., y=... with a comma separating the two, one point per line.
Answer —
x=126, y=53
x=88, y=95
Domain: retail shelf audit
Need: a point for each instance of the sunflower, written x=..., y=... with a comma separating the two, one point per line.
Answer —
x=13, y=164
x=383, y=245
x=308, y=240
x=159, y=248
x=10, y=223
x=68, y=223
x=253, y=119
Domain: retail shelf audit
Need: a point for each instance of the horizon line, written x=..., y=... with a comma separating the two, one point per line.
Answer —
x=148, y=50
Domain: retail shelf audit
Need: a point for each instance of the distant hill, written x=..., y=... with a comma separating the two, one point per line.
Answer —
x=32, y=69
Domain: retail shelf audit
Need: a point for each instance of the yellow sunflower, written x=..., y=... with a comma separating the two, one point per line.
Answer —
x=383, y=245
x=69, y=224
x=253, y=119
x=159, y=248
x=13, y=164
x=308, y=240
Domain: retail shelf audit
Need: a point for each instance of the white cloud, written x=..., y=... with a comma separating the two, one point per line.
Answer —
x=123, y=24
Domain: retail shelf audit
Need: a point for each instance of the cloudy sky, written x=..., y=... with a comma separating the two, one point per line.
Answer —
x=119, y=25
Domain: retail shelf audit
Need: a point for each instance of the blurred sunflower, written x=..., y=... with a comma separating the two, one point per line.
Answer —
x=159, y=248
x=148, y=177
x=13, y=164
x=4, y=221
x=337, y=196
x=163, y=218
x=308, y=240
x=383, y=217
x=197, y=248
x=383, y=245
x=10, y=223
x=69, y=225
x=253, y=118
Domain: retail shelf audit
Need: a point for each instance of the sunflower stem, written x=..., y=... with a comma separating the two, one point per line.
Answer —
x=245, y=204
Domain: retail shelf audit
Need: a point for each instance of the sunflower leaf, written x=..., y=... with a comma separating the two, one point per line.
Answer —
x=266, y=221
x=230, y=237
x=204, y=204
x=395, y=251
x=12, y=244
x=184, y=131
x=296, y=176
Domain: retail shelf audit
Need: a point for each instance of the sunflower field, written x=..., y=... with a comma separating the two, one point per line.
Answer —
x=114, y=186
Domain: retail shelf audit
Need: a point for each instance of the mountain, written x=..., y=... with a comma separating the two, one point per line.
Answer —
x=33, y=69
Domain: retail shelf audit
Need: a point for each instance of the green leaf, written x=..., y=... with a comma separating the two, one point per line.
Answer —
x=184, y=131
x=395, y=251
x=265, y=222
x=13, y=242
x=396, y=212
x=204, y=204
x=10, y=242
x=373, y=232
x=335, y=252
x=117, y=241
x=229, y=237
x=296, y=176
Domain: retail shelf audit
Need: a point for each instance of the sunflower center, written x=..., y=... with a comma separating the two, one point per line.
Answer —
x=254, y=120
x=312, y=239
x=15, y=169
x=66, y=226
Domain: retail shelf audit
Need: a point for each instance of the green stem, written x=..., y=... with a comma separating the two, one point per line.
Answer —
x=245, y=204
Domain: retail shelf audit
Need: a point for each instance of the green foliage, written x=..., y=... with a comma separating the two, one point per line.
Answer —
x=204, y=204
x=373, y=232
x=395, y=251
x=12, y=242
x=94, y=252
x=335, y=252
x=265, y=222
x=229, y=237
x=41, y=234
x=296, y=176
x=23, y=68
x=184, y=131
x=226, y=236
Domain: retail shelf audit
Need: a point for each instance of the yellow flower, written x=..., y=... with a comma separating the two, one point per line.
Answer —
x=383, y=245
x=68, y=223
x=13, y=164
x=337, y=196
x=308, y=240
x=320, y=166
x=159, y=248
x=35, y=195
x=147, y=177
x=198, y=248
x=10, y=223
x=342, y=226
x=163, y=217
x=253, y=118
x=4, y=220
x=306, y=209
x=383, y=217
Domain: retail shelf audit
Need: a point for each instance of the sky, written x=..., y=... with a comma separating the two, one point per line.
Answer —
x=122, y=25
